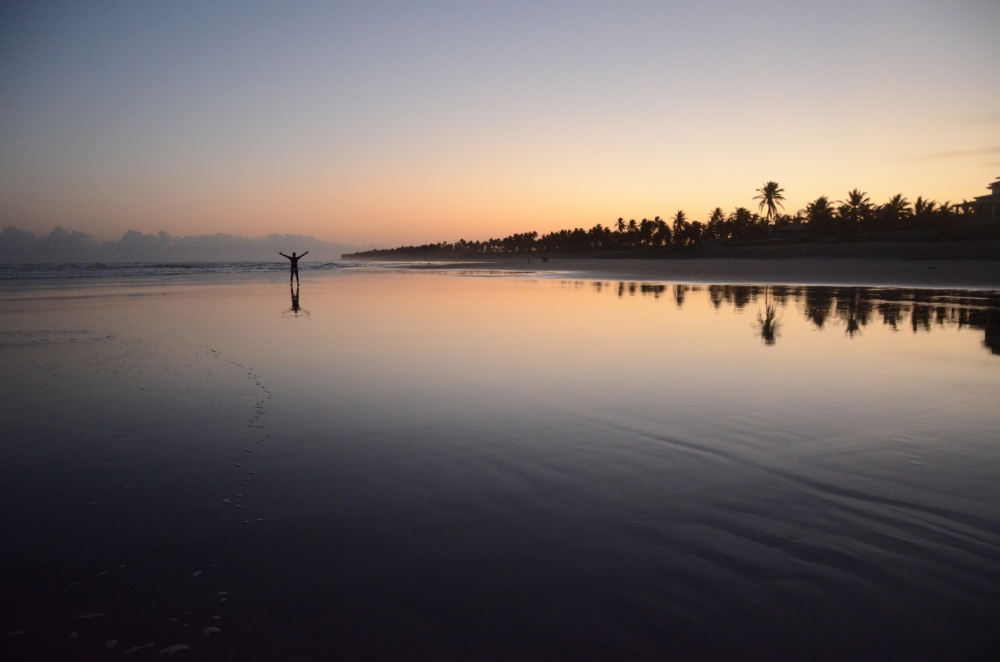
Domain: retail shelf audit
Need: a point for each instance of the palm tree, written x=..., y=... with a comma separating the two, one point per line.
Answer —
x=633, y=230
x=922, y=208
x=741, y=223
x=965, y=209
x=646, y=231
x=924, y=212
x=770, y=197
x=946, y=213
x=819, y=214
x=621, y=225
x=680, y=230
x=716, y=227
x=899, y=204
x=695, y=232
x=662, y=235
x=895, y=211
x=856, y=209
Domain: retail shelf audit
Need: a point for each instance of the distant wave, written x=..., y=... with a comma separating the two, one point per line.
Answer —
x=151, y=269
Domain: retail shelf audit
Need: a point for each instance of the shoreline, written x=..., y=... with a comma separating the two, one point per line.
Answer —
x=969, y=274
x=958, y=264
x=944, y=274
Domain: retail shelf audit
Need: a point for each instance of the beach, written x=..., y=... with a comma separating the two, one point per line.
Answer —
x=397, y=462
x=965, y=274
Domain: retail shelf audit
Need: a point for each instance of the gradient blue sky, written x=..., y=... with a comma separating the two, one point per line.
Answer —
x=411, y=122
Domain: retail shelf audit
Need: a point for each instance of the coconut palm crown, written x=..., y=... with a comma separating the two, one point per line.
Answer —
x=770, y=197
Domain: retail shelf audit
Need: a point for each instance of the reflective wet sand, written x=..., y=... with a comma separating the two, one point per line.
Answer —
x=413, y=465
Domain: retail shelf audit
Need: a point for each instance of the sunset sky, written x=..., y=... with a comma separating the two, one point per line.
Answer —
x=388, y=123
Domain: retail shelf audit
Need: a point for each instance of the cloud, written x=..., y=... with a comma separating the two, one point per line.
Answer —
x=958, y=153
x=61, y=245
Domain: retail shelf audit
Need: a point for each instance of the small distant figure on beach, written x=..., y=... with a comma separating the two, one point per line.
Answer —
x=295, y=264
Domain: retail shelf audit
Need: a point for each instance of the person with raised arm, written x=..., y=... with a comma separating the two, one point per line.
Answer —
x=295, y=264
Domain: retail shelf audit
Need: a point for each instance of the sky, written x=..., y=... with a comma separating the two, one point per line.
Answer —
x=388, y=122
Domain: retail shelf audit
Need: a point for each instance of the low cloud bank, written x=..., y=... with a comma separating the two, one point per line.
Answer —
x=61, y=245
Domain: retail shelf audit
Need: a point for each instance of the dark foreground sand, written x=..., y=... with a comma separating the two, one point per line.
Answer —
x=968, y=274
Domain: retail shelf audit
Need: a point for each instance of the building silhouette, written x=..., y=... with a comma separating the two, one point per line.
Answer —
x=988, y=206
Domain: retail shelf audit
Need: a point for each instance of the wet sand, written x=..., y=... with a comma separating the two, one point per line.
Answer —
x=402, y=465
x=959, y=274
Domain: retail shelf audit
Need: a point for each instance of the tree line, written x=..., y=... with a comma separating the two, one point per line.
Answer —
x=854, y=216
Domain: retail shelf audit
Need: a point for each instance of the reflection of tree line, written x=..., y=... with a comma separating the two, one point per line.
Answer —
x=854, y=307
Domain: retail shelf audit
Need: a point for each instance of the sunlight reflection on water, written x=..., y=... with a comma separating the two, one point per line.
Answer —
x=422, y=464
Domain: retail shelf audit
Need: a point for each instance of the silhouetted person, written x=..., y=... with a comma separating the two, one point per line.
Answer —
x=295, y=264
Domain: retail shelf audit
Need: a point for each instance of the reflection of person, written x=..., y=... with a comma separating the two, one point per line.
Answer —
x=295, y=264
x=295, y=298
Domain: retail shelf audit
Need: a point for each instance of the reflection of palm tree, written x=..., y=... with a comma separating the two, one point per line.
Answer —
x=770, y=197
x=768, y=321
x=817, y=304
x=892, y=314
x=679, y=292
x=716, y=294
x=854, y=305
x=920, y=317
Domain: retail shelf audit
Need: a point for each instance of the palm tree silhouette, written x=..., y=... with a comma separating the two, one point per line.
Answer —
x=716, y=227
x=895, y=210
x=741, y=223
x=946, y=210
x=819, y=214
x=899, y=204
x=923, y=207
x=662, y=233
x=856, y=209
x=646, y=231
x=770, y=197
x=924, y=212
x=680, y=230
